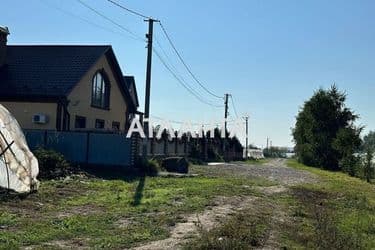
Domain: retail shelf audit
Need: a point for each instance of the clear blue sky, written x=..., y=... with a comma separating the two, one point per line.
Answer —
x=271, y=55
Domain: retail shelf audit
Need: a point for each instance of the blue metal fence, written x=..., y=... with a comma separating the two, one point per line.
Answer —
x=85, y=147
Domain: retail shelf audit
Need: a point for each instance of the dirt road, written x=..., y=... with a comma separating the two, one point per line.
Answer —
x=275, y=170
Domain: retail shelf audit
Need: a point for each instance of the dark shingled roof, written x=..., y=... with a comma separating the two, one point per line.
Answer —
x=51, y=71
x=130, y=85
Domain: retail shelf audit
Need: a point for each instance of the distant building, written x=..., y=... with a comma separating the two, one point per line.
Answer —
x=254, y=154
x=65, y=87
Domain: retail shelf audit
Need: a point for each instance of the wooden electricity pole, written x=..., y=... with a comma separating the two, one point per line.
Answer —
x=149, y=37
x=247, y=137
x=148, y=71
x=225, y=121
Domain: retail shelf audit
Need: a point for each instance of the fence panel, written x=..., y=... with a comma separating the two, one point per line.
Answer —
x=181, y=148
x=34, y=138
x=71, y=145
x=109, y=149
x=171, y=148
x=85, y=147
x=159, y=147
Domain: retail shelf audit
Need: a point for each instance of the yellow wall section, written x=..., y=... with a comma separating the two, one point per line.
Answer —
x=24, y=111
x=80, y=100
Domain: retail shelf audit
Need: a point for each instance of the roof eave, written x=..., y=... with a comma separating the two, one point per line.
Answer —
x=120, y=79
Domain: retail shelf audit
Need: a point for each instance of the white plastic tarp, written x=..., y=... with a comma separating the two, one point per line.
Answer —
x=18, y=166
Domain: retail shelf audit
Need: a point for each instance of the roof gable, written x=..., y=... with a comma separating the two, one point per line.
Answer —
x=52, y=71
x=46, y=71
x=130, y=85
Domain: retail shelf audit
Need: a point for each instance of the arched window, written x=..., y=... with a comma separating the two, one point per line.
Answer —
x=100, y=91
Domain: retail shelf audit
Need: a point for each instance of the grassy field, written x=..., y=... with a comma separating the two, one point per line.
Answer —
x=109, y=213
x=338, y=212
x=334, y=212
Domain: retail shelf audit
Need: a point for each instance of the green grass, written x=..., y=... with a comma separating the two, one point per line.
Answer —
x=110, y=213
x=337, y=212
x=246, y=229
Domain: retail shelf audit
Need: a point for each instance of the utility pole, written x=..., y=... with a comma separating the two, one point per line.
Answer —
x=225, y=120
x=247, y=137
x=149, y=37
x=148, y=71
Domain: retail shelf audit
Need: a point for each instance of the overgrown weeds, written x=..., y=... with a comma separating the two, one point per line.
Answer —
x=337, y=213
x=52, y=164
x=247, y=229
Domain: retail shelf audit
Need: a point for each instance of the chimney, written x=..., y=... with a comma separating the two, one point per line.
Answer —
x=4, y=32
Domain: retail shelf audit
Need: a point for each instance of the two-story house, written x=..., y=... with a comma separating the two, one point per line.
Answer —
x=65, y=87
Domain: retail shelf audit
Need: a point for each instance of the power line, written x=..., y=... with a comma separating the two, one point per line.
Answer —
x=177, y=75
x=184, y=122
x=234, y=107
x=173, y=68
x=129, y=10
x=178, y=78
x=166, y=55
x=171, y=43
x=174, y=48
x=181, y=82
x=66, y=12
x=178, y=122
x=187, y=87
x=184, y=63
x=135, y=36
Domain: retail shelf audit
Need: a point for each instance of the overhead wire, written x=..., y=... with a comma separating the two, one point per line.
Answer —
x=234, y=107
x=134, y=35
x=187, y=87
x=174, y=49
x=66, y=12
x=172, y=69
x=184, y=122
x=185, y=64
x=177, y=73
x=128, y=10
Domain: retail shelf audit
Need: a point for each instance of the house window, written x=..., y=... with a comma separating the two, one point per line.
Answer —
x=99, y=124
x=80, y=122
x=116, y=126
x=100, y=91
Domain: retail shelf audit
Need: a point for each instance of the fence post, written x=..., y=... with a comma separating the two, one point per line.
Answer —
x=185, y=146
x=152, y=144
x=87, y=147
x=165, y=145
x=134, y=148
x=205, y=140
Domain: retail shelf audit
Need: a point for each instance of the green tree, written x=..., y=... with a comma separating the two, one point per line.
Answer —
x=369, y=141
x=368, y=166
x=325, y=134
x=346, y=144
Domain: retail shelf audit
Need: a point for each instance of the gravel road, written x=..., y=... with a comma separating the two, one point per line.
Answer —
x=275, y=170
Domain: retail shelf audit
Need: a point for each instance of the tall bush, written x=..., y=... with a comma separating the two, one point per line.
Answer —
x=51, y=164
x=325, y=134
